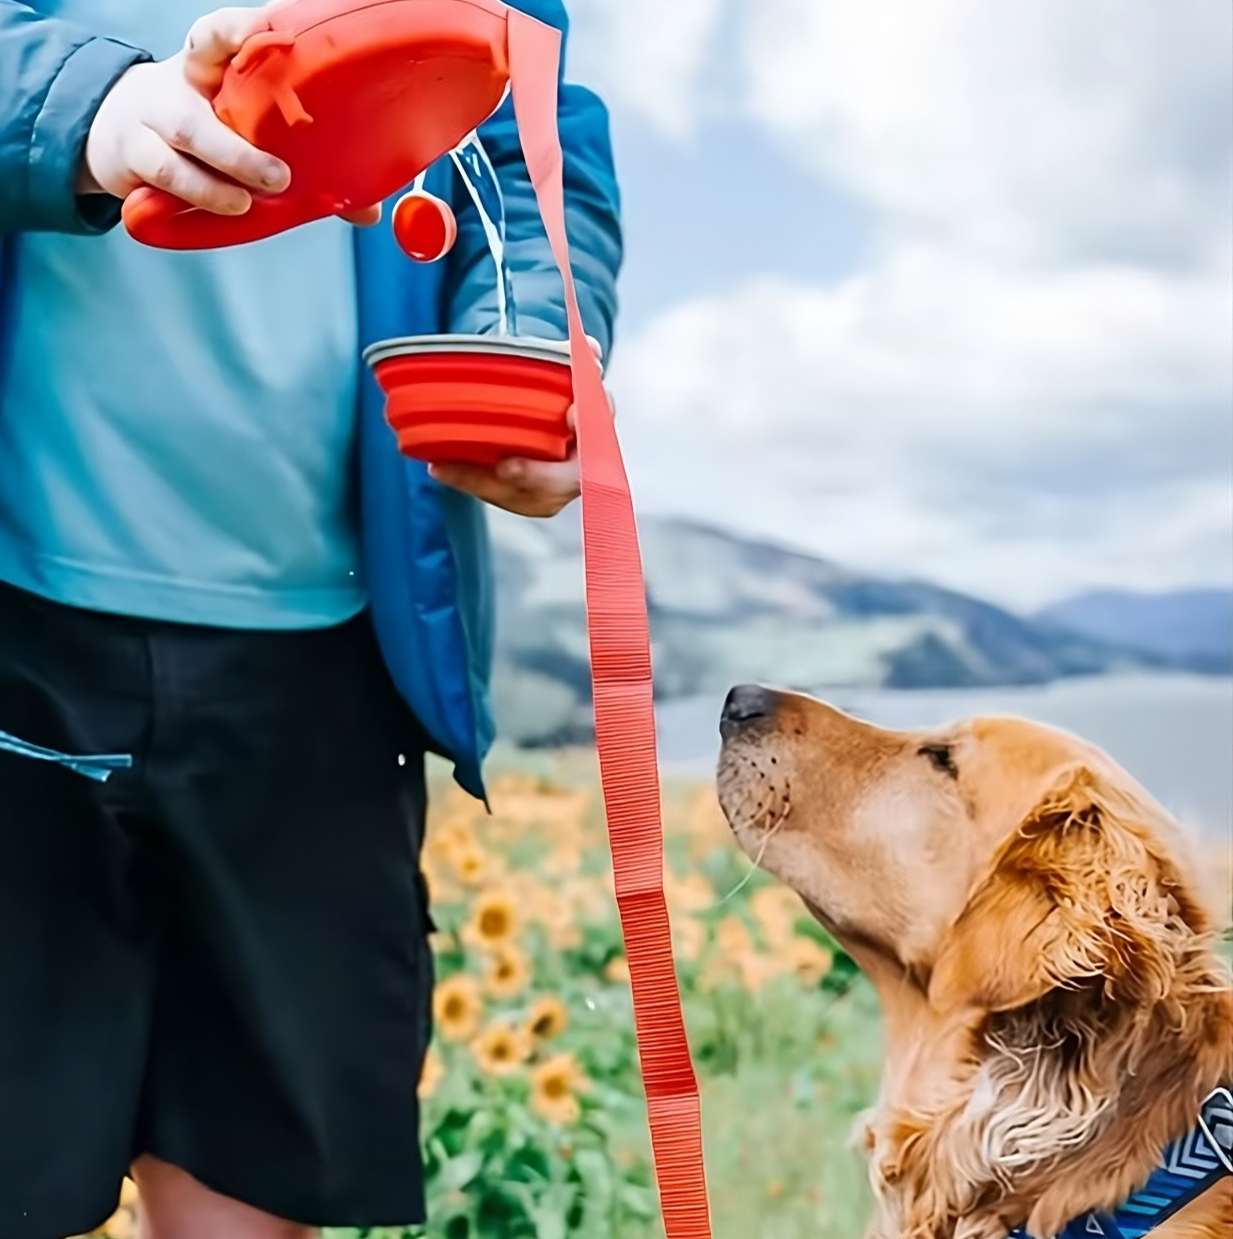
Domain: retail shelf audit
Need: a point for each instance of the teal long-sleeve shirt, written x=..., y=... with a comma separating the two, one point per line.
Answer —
x=178, y=431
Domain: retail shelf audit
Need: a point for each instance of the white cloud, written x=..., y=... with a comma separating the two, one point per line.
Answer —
x=1062, y=130
x=649, y=55
x=935, y=325
x=1018, y=437
x=1028, y=390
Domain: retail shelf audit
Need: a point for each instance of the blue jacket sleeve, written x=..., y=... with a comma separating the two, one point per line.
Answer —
x=592, y=219
x=53, y=77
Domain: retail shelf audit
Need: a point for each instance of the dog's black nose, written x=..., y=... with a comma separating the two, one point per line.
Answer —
x=745, y=704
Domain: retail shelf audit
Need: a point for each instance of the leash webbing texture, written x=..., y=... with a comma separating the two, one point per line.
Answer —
x=621, y=676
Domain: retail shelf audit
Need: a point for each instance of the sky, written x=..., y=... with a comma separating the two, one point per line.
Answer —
x=937, y=290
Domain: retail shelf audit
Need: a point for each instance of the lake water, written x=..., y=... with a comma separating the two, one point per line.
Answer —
x=1173, y=733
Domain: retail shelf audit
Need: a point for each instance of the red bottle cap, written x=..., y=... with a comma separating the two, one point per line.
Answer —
x=424, y=226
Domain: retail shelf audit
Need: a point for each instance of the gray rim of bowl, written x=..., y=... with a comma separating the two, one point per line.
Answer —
x=518, y=346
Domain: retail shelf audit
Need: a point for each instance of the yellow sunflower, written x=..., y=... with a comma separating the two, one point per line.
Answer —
x=811, y=962
x=776, y=909
x=591, y=898
x=494, y=921
x=716, y=971
x=509, y=971
x=690, y=938
x=432, y=1074
x=555, y=1086
x=458, y=1005
x=705, y=822
x=555, y=912
x=528, y=890
x=548, y=1018
x=121, y=1225
x=456, y=808
x=531, y=801
x=449, y=834
x=732, y=937
x=617, y=970
x=471, y=863
x=563, y=861
x=501, y=1049
x=690, y=894
x=564, y=937
x=434, y=878
x=756, y=970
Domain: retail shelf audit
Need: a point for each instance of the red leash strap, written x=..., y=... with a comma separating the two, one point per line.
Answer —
x=621, y=674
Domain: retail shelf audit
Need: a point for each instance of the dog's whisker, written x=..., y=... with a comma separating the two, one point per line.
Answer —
x=744, y=882
x=757, y=861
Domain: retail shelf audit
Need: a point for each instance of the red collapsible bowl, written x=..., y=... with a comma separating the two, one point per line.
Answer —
x=358, y=97
x=476, y=399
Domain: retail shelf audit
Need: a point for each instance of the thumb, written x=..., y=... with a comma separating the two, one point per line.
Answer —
x=213, y=41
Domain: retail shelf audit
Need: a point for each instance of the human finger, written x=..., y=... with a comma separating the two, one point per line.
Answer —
x=154, y=162
x=195, y=130
x=502, y=492
x=365, y=217
x=214, y=40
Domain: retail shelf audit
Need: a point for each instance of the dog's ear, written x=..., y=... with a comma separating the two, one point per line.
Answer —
x=1084, y=893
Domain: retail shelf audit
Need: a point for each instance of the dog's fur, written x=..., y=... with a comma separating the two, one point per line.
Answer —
x=1053, y=1007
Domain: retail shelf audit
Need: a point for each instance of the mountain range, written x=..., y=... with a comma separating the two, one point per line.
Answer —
x=1190, y=629
x=726, y=609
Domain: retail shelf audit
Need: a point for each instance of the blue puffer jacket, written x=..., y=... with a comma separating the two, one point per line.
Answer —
x=426, y=547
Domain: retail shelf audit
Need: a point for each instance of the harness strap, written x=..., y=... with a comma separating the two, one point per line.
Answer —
x=1188, y=1168
x=1216, y=1121
x=621, y=675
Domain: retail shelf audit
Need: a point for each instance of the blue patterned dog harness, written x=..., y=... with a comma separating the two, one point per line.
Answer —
x=1188, y=1168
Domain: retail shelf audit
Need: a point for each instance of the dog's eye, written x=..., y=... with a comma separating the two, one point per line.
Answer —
x=942, y=758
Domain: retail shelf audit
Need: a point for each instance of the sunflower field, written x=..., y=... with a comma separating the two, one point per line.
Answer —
x=533, y=1115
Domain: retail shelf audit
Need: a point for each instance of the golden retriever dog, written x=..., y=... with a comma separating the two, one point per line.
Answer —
x=1054, y=1012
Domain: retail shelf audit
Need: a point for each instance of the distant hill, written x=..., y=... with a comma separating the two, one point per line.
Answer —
x=726, y=609
x=1190, y=629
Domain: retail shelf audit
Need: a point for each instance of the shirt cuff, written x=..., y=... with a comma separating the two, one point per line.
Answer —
x=59, y=138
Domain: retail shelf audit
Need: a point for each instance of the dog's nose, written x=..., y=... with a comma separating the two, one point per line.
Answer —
x=745, y=704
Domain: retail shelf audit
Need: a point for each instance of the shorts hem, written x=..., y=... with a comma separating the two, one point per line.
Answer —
x=320, y=1214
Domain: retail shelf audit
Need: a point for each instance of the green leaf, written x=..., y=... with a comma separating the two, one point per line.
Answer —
x=460, y=1172
x=551, y=1212
x=598, y=1191
x=638, y=1202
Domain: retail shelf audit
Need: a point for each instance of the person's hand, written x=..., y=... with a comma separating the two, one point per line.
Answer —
x=156, y=127
x=525, y=487
x=539, y=488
